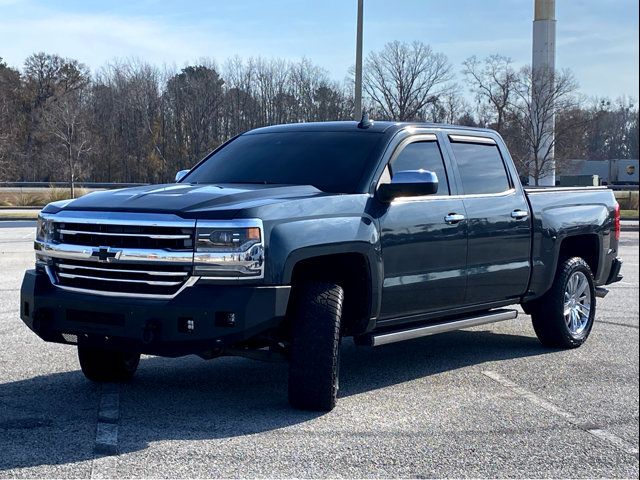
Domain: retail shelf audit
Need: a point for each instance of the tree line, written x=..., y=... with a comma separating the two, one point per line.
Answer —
x=131, y=121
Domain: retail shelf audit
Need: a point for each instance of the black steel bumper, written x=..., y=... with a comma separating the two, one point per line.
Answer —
x=201, y=318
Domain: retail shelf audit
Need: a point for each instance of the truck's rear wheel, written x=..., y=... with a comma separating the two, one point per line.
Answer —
x=563, y=317
x=315, y=347
x=101, y=365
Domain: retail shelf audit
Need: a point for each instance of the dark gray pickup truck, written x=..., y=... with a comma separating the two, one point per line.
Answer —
x=288, y=238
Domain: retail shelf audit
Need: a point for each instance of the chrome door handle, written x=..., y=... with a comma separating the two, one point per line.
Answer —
x=519, y=214
x=453, y=218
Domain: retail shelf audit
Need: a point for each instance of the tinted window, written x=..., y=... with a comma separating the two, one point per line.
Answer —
x=425, y=156
x=330, y=161
x=481, y=168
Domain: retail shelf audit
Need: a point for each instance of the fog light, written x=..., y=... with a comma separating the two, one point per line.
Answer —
x=186, y=325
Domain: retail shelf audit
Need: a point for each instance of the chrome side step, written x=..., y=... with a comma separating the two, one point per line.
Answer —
x=400, y=335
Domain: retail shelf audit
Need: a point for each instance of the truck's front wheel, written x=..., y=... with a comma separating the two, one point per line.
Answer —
x=315, y=347
x=564, y=316
x=101, y=365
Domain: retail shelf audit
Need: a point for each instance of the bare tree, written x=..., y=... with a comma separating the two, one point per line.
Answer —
x=538, y=98
x=493, y=81
x=45, y=76
x=449, y=107
x=194, y=98
x=241, y=107
x=66, y=121
x=12, y=120
x=402, y=79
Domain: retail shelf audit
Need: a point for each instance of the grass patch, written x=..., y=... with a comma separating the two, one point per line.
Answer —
x=37, y=197
x=628, y=213
x=27, y=214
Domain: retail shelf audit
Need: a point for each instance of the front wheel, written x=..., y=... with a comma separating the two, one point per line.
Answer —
x=315, y=347
x=101, y=365
x=564, y=316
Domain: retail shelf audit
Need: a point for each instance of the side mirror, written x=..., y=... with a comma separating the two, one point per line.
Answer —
x=181, y=174
x=409, y=183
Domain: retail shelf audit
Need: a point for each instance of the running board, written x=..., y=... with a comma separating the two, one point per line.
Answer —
x=400, y=335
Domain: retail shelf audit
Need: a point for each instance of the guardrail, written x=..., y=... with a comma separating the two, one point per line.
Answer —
x=66, y=185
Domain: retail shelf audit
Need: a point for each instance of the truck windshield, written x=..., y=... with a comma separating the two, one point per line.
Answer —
x=330, y=161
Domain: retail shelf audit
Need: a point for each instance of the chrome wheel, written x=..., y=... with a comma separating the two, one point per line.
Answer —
x=577, y=303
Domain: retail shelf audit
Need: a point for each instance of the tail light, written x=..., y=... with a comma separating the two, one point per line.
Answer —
x=616, y=223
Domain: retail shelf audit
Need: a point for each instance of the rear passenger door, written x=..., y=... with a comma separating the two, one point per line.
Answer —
x=499, y=225
x=424, y=254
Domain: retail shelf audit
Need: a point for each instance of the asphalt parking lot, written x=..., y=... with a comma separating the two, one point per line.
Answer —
x=483, y=402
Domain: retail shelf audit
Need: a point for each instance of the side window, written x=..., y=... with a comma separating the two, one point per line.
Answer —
x=425, y=156
x=481, y=168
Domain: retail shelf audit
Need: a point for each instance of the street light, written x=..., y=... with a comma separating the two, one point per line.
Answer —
x=358, y=93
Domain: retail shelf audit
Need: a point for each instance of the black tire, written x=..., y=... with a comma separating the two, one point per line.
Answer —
x=552, y=327
x=106, y=365
x=315, y=347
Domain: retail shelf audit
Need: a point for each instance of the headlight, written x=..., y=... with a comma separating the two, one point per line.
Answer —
x=229, y=249
x=44, y=229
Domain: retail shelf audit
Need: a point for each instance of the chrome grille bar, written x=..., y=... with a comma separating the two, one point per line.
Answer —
x=123, y=280
x=115, y=234
x=66, y=266
x=128, y=255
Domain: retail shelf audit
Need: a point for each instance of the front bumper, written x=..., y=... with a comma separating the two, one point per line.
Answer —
x=195, y=321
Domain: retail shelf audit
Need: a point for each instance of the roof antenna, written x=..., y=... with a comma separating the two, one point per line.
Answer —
x=365, y=122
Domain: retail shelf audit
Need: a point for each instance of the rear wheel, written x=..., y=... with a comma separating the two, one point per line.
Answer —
x=101, y=365
x=564, y=316
x=315, y=347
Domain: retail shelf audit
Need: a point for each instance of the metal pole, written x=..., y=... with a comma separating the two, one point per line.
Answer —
x=358, y=93
x=544, y=62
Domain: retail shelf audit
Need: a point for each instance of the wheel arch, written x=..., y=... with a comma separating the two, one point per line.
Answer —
x=352, y=269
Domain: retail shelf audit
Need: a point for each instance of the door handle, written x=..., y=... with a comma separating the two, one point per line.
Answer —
x=454, y=218
x=519, y=214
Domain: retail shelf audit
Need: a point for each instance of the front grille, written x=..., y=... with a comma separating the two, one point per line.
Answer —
x=138, y=279
x=125, y=236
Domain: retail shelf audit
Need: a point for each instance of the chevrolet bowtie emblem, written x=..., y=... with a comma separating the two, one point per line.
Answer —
x=106, y=254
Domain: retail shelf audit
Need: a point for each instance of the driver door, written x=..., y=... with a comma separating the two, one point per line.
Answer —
x=424, y=250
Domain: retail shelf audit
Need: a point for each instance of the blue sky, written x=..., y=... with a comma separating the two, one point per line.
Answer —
x=597, y=39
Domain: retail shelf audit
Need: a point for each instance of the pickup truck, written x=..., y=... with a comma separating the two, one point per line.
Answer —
x=286, y=239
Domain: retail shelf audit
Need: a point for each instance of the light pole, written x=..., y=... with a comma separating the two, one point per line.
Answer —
x=542, y=66
x=358, y=93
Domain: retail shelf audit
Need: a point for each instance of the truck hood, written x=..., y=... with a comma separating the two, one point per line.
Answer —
x=191, y=200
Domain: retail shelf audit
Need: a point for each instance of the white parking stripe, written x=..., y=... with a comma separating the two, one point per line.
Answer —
x=105, y=464
x=569, y=417
x=106, y=438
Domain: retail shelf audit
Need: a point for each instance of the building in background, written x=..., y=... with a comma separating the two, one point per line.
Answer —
x=610, y=172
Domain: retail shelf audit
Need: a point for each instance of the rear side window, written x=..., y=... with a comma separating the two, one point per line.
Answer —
x=423, y=156
x=481, y=168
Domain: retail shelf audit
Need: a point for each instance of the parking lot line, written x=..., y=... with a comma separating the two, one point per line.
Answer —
x=104, y=465
x=569, y=417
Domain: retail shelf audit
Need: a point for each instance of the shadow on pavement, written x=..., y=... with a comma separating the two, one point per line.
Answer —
x=51, y=419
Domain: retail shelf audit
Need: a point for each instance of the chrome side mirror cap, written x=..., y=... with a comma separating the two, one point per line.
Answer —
x=409, y=183
x=181, y=174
